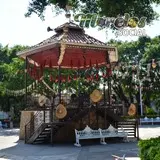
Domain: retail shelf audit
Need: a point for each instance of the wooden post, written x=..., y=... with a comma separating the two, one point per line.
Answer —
x=51, y=121
x=26, y=64
x=51, y=110
x=78, y=89
x=81, y=123
x=59, y=83
x=109, y=99
x=44, y=115
x=97, y=115
x=105, y=114
x=108, y=80
x=51, y=133
x=89, y=122
x=104, y=95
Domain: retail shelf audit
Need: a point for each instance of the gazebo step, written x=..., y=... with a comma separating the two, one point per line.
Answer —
x=42, y=135
x=129, y=126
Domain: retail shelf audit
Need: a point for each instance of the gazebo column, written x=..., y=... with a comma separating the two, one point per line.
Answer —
x=108, y=80
x=109, y=92
x=97, y=117
x=81, y=120
x=59, y=83
x=105, y=109
x=104, y=92
x=26, y=65
x=51, y=120
x=78, y=72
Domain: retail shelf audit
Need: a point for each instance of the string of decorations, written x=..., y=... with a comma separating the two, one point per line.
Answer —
x=122, y=70
x=153, y=65
x=143, y=88
x=37, y=74
x=21, y=92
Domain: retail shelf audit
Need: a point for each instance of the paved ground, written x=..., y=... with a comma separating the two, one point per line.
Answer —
x=13, y=149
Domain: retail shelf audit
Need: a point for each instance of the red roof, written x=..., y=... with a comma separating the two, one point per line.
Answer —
x=78, y=46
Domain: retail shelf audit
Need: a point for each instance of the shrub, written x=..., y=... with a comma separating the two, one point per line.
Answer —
x=149, y=149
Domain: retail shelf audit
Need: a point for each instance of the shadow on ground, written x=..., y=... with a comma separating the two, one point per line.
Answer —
x=90, y=150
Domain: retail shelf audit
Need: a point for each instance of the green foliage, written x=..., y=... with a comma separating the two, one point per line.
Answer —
x=14, y=74
x=9, y=76
x=152, y=49
x=150, y=111
x=149, y=149
x=103, y=7
x=11, y=68
x=123, y=83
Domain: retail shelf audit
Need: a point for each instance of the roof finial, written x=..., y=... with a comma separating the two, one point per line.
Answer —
x=68, y=14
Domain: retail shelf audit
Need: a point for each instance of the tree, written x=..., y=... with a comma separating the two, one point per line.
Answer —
x=125, y=80
x=106, y=8
x=9, y=67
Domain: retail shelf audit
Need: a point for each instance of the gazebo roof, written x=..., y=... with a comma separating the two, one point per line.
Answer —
x=76, y=43
x=75, y=35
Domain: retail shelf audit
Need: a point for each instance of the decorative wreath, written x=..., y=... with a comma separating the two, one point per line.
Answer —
x=61, y=111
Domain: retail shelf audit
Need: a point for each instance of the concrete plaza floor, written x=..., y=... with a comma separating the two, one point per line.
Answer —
x=13, y=149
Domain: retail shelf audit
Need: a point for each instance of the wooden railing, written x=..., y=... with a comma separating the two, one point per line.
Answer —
x=30, y=127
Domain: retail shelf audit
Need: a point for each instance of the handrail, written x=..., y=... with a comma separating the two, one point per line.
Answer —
x=29, y=127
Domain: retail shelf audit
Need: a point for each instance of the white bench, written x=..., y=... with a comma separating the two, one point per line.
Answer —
x=119, y=158
x=88, y=133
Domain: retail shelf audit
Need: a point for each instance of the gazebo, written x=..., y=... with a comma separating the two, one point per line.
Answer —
x=69, y=49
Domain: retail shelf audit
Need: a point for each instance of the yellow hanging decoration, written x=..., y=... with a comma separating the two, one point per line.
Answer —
x=96, y=96
x=61, y=111
x=132, y=110
x=63, y=45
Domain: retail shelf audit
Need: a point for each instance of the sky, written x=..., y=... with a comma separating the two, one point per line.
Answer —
x=16, y=29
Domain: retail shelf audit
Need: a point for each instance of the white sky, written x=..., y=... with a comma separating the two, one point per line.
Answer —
x=16, y=29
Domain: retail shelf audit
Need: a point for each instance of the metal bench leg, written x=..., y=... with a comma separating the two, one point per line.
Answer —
x=77, y=143
x=125, y=139
x=102, y=141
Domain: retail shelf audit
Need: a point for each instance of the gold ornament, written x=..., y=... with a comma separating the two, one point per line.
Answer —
x=61, y=111
x=96, y=96
x=132, y=110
